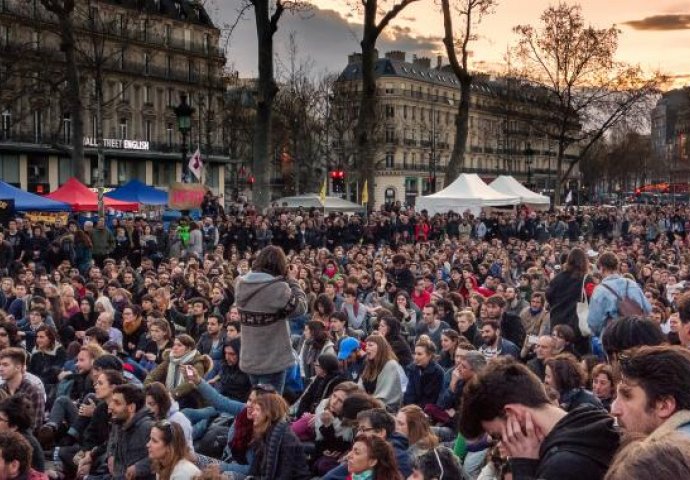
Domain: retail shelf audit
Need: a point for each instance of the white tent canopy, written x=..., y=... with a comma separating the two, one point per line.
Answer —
x=467, y=192
x=309, y=200
x=509, y=186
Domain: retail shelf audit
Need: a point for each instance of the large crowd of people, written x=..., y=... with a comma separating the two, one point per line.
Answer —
x=296, y=345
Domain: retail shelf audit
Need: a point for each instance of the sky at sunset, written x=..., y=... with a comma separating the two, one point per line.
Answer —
x=655, y=35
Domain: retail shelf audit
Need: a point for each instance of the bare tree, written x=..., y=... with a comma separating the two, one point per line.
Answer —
x=470, y=13
x=376, y=20
x=64, y=12
x=588, y=90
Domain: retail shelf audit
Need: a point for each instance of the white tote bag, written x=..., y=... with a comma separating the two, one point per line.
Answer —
x=583, y=311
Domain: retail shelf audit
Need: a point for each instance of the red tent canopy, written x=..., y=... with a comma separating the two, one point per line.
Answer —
x=81, y=199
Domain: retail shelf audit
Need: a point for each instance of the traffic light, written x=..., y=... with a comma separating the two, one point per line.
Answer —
x=338, y=178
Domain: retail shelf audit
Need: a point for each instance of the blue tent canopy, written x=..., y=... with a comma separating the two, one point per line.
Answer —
x=29, y=202
x=139, y=192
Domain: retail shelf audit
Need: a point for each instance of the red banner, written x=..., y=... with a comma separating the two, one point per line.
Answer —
x=185, y=196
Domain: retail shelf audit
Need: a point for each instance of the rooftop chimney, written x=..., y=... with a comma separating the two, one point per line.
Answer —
x=396, y=55
x=422, y=62
x=439, y=62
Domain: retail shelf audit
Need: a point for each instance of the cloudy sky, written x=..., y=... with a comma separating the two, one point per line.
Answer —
x=655, y=34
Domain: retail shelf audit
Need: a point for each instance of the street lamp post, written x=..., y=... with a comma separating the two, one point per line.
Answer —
x=528, y=159
x=184, y=113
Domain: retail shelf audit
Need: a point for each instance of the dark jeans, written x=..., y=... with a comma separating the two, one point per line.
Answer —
x=64, y=411
x=277, y=380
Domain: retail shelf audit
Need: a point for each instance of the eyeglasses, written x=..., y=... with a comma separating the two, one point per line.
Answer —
x=365, y=429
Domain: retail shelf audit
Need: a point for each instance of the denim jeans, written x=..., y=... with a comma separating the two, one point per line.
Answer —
x=64, y=410
x=277, y=380
x=199, y=417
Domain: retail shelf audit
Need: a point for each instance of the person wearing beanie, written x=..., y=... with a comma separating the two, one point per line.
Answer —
x=327, y=377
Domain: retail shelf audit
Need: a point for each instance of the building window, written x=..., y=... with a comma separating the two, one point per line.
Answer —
x=147, y=63
x=390, y=111
x=36, y=39
x=37, y=169
x=94, y=127
x=168, y=65
x=9, y=169
x=171, y=95
x=66, y=128
x=414, y=160
x=38, y=126
x=145, y=29
x=64, y=169
x=148, y=130
x=390, y=135
x=168, y=34
x=414, y=113
x=4, y=34
x=405, y=156
x=147, y=94
x=190, y=71
x=405, y=112
x=164, y=173
x=390, y=159
x=169, y=134
x=123, y=128
x=211, y=172
x=121, y=59
x=389, y=88
x=207, y=43
x=6, y=122
x=120, y=23
x=122, y=91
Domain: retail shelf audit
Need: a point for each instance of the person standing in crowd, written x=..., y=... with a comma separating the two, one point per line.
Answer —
x=267, y=297
x=614, y=293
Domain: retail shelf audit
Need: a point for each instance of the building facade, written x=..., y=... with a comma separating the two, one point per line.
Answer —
x=419, y=104
x=670, y=130
x=142, y=56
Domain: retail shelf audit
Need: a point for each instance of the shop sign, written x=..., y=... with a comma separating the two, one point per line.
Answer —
x=117, y=143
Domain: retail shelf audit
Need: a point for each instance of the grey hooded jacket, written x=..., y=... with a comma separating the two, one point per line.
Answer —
x=266, y=303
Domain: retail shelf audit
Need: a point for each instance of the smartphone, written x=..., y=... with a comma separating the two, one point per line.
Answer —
x=189, y=371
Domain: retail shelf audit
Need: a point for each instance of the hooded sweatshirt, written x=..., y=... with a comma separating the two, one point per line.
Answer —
x=581, y=445
x=266, y=303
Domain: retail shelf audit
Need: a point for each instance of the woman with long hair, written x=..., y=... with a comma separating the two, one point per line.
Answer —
x=405, y=312
x=565, y=375
x=169, y=452
x=171, y=372
x=163, y=407
x=391, y=329
x=83, y=251
x=316, y=343
x=48, y=357
x=278, y=452
x=372, y=458
x=381, y=376
x=322, y=309
x=564, y=291
x=412, y=422
x=449, y=342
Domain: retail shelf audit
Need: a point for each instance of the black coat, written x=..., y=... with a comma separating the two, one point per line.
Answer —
x=233, y=383
x=563, y=293
x=318, y=389
x=581, y=445
x=46, y=366
x=279, y=456
x=425, y=384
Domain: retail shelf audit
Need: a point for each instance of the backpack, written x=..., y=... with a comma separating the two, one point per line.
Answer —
x=627, y=307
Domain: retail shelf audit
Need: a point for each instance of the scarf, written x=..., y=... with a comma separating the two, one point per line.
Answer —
x=131, y=326
x=365, y=475
x=173, y=377
x=244, y=430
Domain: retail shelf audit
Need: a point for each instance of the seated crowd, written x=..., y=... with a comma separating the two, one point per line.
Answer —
x=442, y=360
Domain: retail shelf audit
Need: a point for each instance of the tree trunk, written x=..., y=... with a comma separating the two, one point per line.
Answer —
x=266, y=92
x=560, y=176
x=462, y=125
x=100, y=180
x=366, y=124
x=73, y=95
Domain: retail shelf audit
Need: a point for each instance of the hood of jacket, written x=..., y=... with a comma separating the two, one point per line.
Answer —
x=586, y=430
x=261, y=292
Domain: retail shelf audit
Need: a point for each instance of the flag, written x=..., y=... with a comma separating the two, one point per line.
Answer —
x=365, y=192
x=196, y=165
x=322, y=195
x=569, y=197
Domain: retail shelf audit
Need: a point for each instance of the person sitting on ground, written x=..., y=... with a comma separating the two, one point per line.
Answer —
x=15, y=415
x=565, y=375
x=171, y=372
x=391, y=329
x=381, y=377
x=541, y=440
x=425, y=376
x=667, y=457
x=163, y=407
x=372, y=458
x=169, y=452
x=228, y=379
x=321, y=386
x=604, y=384
x=412, y=422
x=437, y=463
x=15, y=454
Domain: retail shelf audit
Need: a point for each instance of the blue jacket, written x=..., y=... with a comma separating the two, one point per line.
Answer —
x=604, y=305
x=448, y=398
x=424, y=385
x=402, y=456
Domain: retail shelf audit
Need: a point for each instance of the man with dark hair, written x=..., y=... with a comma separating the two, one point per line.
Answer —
x=400, y=274
x=13, y=372
x=268, y=297
x=431, y=325
x=16, y=416
x=511, y=325
x=377, y=422
x=653, y=394
x=15, y=457
x=542, y=441
x=494, y=344
x=132, y=421
x=684, y=314
x=611, y=293
x=629, y=332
